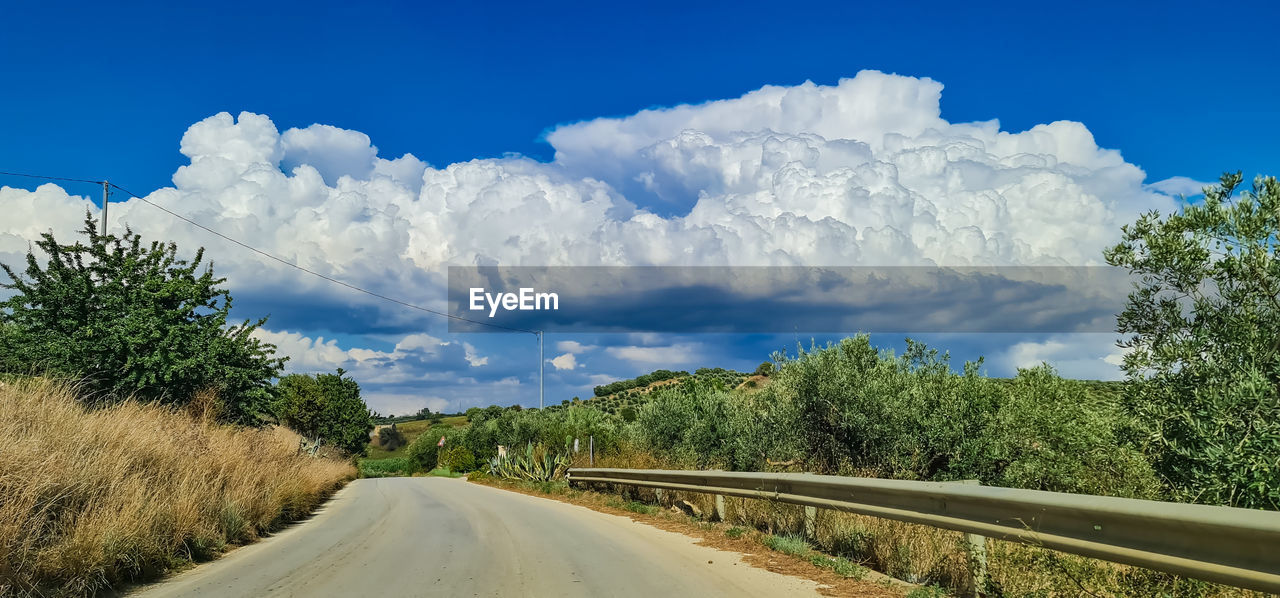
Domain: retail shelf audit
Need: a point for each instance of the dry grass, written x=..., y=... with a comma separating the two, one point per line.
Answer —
x=93, y=498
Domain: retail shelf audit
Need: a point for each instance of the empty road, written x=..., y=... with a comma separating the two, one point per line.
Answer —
x=394, y=537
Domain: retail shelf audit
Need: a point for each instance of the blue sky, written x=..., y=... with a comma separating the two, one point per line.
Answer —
x=1178, y=89
x=1181, y=88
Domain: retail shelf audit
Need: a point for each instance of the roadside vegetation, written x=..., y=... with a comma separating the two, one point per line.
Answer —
x=140, y=428
x=94, y=497
x=1196, y=419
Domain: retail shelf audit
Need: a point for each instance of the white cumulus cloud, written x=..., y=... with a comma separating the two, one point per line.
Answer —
x=574, y=347
x=1086, y=356
x=1180, y=185
x=863, y=172
x=678, y=354
x=565, y=362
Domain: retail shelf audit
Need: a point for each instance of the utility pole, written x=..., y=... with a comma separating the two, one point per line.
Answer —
x=106, y=190
x=539, y=370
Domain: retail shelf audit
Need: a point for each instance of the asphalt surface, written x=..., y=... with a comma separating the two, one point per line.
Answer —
x=393, y=537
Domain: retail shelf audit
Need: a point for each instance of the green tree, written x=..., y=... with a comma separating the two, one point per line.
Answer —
x=1203, y=361
x=133, y=320
x=424, y=450
x=389, y=438
x=325, y=407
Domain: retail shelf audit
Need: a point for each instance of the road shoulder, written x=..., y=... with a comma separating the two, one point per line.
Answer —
x=747, y=546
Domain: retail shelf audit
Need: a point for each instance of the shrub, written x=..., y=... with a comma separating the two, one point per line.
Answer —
x=547, y=427
x=326, y=408
x=1050, y=434
x=129, y=320
x=424, y=451
x=389, y=438
x=457, y=458
x=853, y=409
x=700, y=424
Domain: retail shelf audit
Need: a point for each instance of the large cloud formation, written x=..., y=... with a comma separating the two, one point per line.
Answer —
x=865, y=172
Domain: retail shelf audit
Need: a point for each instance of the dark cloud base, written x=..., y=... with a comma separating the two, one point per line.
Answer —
x=798, y=299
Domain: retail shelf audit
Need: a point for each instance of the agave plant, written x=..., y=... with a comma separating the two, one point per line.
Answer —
x=536, y=464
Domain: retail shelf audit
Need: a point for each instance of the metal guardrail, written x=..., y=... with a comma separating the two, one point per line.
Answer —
x=1238, y=547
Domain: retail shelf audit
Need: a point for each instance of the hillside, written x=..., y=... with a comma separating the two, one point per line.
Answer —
x=635, y=392
x=411, y=431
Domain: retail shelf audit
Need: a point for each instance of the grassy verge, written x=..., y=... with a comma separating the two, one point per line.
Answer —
x=90, y=499
x=385, y=468
x=444, y=472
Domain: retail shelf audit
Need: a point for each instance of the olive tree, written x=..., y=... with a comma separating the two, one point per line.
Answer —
x=1203, y=342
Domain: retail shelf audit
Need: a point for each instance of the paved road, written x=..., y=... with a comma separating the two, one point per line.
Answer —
x=395, y=537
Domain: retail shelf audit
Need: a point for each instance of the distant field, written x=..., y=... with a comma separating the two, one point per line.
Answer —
x=412, y=430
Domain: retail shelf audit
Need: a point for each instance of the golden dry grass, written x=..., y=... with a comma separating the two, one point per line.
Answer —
x=93, y=498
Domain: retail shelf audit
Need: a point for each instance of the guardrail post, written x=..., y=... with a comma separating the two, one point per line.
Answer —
x=976, y=551
x=811, y=523
x=720, y=514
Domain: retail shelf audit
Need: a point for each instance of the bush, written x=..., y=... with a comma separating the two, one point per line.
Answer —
x=556, y=428
x=325, y=408
x=850, y=409
x=423, y=452
x=129, y=320
x=457, y=458
x=389, y=438
x=698, y=424
x=1049, y=434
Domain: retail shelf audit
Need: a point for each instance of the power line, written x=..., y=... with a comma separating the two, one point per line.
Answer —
x=268, y=255
x=312, y=272
x=51, y=178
